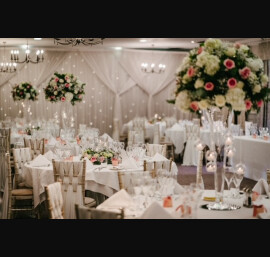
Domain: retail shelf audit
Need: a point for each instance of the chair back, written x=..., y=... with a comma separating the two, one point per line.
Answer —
x=3, y=151
x=152, y=149
x=83, y=212
x=156, y=139
x=7, y=133
x=37, y=146
x=72, y=176
x=54, y=200
x=21, y=156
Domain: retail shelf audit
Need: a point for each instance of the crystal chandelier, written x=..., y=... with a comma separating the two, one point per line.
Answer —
x=152, y=68
x=15, y=56
x=78, y=41
x=5, y=66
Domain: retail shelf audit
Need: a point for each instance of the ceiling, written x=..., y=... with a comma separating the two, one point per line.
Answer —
x=168, y=44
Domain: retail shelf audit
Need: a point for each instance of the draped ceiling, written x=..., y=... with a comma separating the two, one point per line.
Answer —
x=115, y=86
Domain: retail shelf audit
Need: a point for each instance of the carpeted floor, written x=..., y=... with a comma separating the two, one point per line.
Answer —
x=187, y=175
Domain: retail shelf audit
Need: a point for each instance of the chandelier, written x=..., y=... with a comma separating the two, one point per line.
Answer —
x=5, y=66
x=15, y=56
x=145, y=67
x=78, y=41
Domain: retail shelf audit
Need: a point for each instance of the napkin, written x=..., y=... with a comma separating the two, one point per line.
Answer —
x=121, y=199
x=52, y=141
x=40, y=161
x=129, y=163
x=107, y=137
x=261, y=187
x=155, y=211
x=50, y=155
x=158, y=157
x=89, y=164
x=178, y=189
x=176, y=126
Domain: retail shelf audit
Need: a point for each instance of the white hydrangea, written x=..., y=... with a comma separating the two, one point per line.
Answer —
x=183, y=101
x=68, y=96
x=264, y=79
x=53, y=83
x=209, y=62
x=27, y=96
x=61, y=80
x=236, y=97
x=212, y=44
x=254, y=64
x=252, y=78
x=184, y=65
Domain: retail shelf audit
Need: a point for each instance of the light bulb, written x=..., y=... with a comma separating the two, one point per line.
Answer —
x=38, y=52
x=27, y=51
x=152, y=65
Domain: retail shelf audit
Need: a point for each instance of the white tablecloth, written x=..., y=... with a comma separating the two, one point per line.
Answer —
x=104, y=181
x=242, y=213
x=178, y=138
x=254, y=153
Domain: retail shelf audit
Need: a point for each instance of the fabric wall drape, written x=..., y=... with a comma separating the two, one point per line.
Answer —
x=115, y=87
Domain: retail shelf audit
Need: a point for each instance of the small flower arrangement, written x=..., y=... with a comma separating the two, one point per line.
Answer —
x=218, y=74
x=24, y=91
x=98, y=157
x=65, y=88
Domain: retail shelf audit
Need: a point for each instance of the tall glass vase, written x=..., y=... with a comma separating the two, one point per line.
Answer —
x=211, y=157
x=67, y=115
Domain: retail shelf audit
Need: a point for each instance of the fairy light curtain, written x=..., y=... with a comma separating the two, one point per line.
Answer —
x=115, y=87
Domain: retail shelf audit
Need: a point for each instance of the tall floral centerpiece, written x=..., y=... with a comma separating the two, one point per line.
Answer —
x=218, y=74
x=25, y=92
x=67, y=89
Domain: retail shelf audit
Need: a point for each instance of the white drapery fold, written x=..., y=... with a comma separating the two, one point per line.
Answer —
x=152, y=83
x=115, y=86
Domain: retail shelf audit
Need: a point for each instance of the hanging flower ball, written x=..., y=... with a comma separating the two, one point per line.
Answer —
x=24, y=91
x=64, y=88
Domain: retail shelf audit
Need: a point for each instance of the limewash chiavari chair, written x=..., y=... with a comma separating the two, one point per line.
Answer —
x=72, y=176
x=54, y=200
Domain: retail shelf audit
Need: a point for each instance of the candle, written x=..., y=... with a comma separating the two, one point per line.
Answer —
x=199, y=147
x=230, y=153
x=211, y=157
x=228, y=141
x=240, y=170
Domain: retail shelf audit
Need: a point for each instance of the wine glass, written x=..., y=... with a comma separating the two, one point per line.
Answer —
x=228, y=176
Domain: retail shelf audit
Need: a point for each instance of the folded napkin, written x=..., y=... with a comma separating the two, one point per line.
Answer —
x=261, y=187
x=107, y=137
x=129, y=163
x=52, y=141
x=120, y=199
x=158, y=157
x=178, y=189
x=50, y=155
x=89, y=165
x=40, y=161
x=176, y=126
x=155, y=211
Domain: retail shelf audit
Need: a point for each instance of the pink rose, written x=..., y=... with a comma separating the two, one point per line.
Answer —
x=194, y=106
x=260, y=103
x=55, y=87
x=209, y=86
x=229, y=64
x=248, y=104
x=191, y=72
x=21, y=93
x=63, y=99
x=200, y=50
x=101, y=158
x=80, y=96
x=237, y=45
x=52, y=96
x=66, y=77
x=245, y=72
x=28, y=86
x=93, y=159
x=56, y=79
x=232, y=83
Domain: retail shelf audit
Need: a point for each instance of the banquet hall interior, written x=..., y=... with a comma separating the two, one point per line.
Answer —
x=134, y=128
